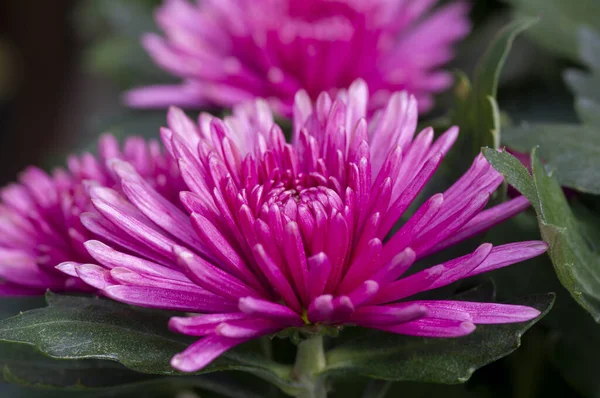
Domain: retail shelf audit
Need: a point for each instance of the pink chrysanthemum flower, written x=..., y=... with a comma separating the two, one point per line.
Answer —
x=40, y=225
x=279, y=235
x=229, y=51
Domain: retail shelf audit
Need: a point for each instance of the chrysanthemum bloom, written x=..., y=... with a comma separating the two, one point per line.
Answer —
x=280, y=235
x=40, y=225
x=228, y=51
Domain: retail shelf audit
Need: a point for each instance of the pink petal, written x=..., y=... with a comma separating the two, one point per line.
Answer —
x=319, y=269
x=483, y=313
x=483, y=221
x=431, y=327
x=125, y=276
x=276, y=278
x=111, y=258
x=247, y=328
x=320, y=309
x=269, y=310
x=170, y=299
x=203, y=352
x=212, y=278
x=202, y=325
x=505, y=255
x=365, y=292
x=94, y=275
x=388, y=315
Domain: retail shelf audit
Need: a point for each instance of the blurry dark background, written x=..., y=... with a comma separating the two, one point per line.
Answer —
x=37, y=59
x=45, y=92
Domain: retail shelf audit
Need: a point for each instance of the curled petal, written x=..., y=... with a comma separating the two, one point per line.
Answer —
x=482, y=313
x=432, y=327
x=203, y=352
x=269, y=310
x=388, y=315
x=202, y=325
x=321, y=308
x=248, y=328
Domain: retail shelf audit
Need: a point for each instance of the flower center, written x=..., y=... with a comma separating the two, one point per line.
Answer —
x=301, y=196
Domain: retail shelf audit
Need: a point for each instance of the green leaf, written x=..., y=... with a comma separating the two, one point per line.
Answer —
x=91, y=328
x=559, y=22
x=390, y=356
x=577, y=266
x=586, y=86
x=476, y=111
x=572, y=150
x=22, y=365
x=508, y=165
x=487, y=72
x=576, y=263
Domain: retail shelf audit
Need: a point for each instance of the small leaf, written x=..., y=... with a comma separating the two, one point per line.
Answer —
x=91, y=328
x=576, y=263
x=513, y=170
x=396, y=357
x=490, y=66
x=485, y=83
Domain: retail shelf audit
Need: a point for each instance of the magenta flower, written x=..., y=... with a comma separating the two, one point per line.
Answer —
x=277, y=235
x=227, y=52
x=39, y=216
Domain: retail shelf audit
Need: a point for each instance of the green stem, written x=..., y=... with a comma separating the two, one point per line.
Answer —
x=310, y=360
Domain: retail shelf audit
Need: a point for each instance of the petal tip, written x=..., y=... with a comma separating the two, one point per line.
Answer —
x=467, y=327
x=68, y=267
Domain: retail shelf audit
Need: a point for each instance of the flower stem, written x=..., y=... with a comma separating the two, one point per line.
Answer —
x=310, y=360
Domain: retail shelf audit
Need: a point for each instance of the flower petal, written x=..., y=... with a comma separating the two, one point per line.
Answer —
x=269, y=310
x=203, y=352
x=168, y=299
x=431, y=327
x=483, y=313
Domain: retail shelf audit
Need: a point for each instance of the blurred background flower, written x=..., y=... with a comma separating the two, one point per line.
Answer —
x=40, y=224
x=227, y=52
